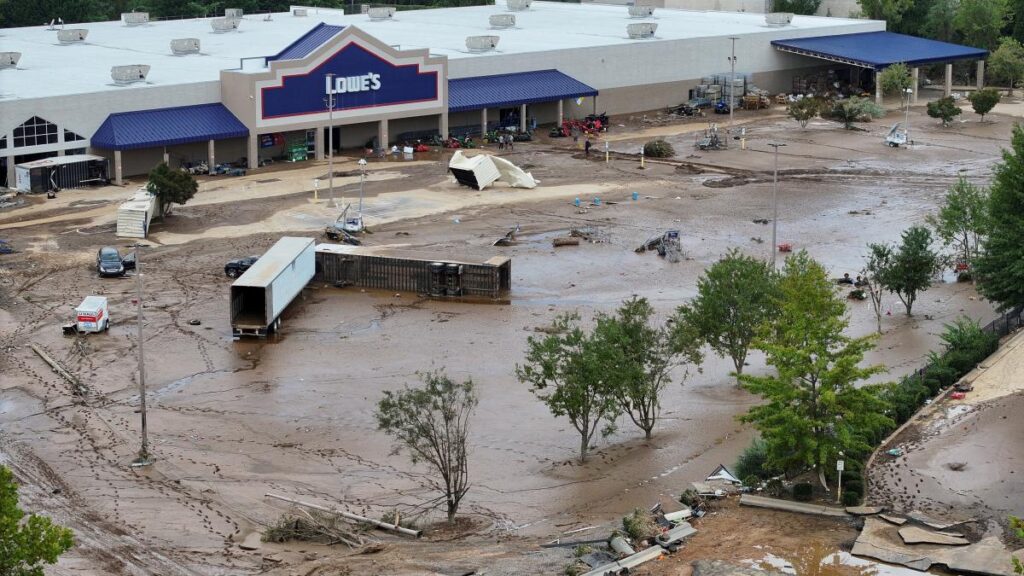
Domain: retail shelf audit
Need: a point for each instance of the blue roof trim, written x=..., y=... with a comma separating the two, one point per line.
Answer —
x=308, y=42
x=879, y=49
x=167, y=126
x=513, y=89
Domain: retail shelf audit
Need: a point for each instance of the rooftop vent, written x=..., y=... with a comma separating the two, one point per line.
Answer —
x=519, y=5
x=183, y=46
x=235, y=13
x=72, y=35
x=641, y=11
x=221, y=25
x=778, y=18
x=135, y=18
x=641, y=29
x=380, y=12
x=124, y=75
x=9, y=59
x=501, y=21
x=481, y=43
x=299, y=12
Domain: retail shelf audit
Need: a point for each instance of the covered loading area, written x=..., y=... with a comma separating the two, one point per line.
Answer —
x=879, y=50
x=545, y=91
x=149, y=135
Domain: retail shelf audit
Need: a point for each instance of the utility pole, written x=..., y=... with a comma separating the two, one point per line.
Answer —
x=775, y=200
x=910, y=94
x=329, y=100
x=732, y=80
x=143, y=459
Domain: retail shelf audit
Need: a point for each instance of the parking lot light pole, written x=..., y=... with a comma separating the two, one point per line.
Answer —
x=329, y=100
x=144, y=457
x=775, y=200
x=732, y=80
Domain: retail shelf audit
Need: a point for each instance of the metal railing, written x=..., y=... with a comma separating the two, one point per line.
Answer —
x=1006, y=323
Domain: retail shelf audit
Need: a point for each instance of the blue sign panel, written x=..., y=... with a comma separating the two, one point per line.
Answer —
x=362, y=80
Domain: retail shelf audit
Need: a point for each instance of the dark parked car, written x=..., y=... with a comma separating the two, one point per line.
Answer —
x=108, y=262
x=237, y=267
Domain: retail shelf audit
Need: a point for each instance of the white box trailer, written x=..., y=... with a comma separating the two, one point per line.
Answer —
x=134, y=216
x=259, y=296
x=92, y=314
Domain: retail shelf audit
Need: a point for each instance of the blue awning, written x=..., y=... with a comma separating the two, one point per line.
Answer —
x=503, y=90
x=308, y=42
x=879, y=50
x=167, y=126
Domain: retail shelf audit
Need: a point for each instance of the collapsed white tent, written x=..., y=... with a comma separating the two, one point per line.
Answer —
x=482, y=170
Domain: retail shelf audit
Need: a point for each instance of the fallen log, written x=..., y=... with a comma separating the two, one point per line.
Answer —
x=565, y=242
x=77, y=386
x=350, y=516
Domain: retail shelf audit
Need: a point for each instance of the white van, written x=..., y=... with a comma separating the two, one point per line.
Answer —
x=92, y=315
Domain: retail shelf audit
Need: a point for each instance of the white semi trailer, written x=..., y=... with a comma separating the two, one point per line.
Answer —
x=259, y=296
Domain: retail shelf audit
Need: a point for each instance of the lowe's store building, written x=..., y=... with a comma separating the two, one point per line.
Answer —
x=258, y=87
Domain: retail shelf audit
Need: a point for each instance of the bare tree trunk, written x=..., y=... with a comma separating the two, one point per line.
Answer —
x=584, y=444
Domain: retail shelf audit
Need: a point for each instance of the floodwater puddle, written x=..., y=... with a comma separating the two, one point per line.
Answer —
x=821, y=560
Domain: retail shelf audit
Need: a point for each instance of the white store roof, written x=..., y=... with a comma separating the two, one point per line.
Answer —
x=48, y=68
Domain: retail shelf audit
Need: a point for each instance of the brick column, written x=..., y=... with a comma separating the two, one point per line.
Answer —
x=253, y=152
x=915, y=74
x=210, y=155
x=118, y=169
x=522, y=117
x=442, y=127
x=949, y=80
x=483, y=122
x=981, y=74
x=382, y=134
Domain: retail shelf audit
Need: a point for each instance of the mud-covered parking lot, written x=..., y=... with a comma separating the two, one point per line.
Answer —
x=230, y=421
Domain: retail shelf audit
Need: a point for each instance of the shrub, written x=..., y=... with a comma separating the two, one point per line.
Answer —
x=753, y=461
x=751, y=481
x=774, y=487
x=944, y=109
x=851, y=498
x=853, y=485
x=803, y=491
x=658, y=149
x=639, y=525
x=690, y=498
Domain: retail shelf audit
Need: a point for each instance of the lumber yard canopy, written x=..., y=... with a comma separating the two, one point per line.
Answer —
x=167, y=126
x=879, y=50
x=502, y=90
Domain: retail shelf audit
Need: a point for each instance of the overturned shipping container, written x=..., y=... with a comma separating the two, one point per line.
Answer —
x=407, y=271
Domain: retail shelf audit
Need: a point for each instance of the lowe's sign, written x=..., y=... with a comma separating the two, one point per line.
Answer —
x=369, y=81
x=361, y=80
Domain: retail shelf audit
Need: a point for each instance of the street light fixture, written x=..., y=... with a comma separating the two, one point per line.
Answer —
x=329, y=101
x=775, y=201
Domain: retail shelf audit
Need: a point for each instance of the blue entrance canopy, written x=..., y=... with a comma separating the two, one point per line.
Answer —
x=504, y=90
x=167, y=126
x=878, y=50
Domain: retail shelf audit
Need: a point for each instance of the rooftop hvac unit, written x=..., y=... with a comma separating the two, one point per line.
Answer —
x=381, y=12
x=72, y=35
x=519, y=5
x=778, y=18
x=641, y=29
x=225, y=24
x=129, y=74
x=501, y=21
x=233, y=13
x=9, y=59
x=641, y=11
x=481, y=43
x=135, y=18
x=299, y=12
x=183, y=46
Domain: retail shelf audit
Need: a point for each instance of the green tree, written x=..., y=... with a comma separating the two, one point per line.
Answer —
x=980, y=22
x=639, y=359
x=889, y=10
x=1000, y=266
x=945, y=109
x=855, y=109
x=961, y=220
x=431, y=423
x=872, y=282
x=26, y=544
x=906, y=269
x=735, y=296
x=565, y=370
x=1017, y=526
x=814, y=409
x=895, y=79
x=806, y=7
x=171, y=186
x=984, y=100
x=803, y=110
x=939, y=20
x=1006, y=64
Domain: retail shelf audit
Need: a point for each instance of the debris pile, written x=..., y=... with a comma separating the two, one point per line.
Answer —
x=667, y=245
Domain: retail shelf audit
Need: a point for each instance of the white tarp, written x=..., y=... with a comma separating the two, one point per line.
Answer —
x=483, y=170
